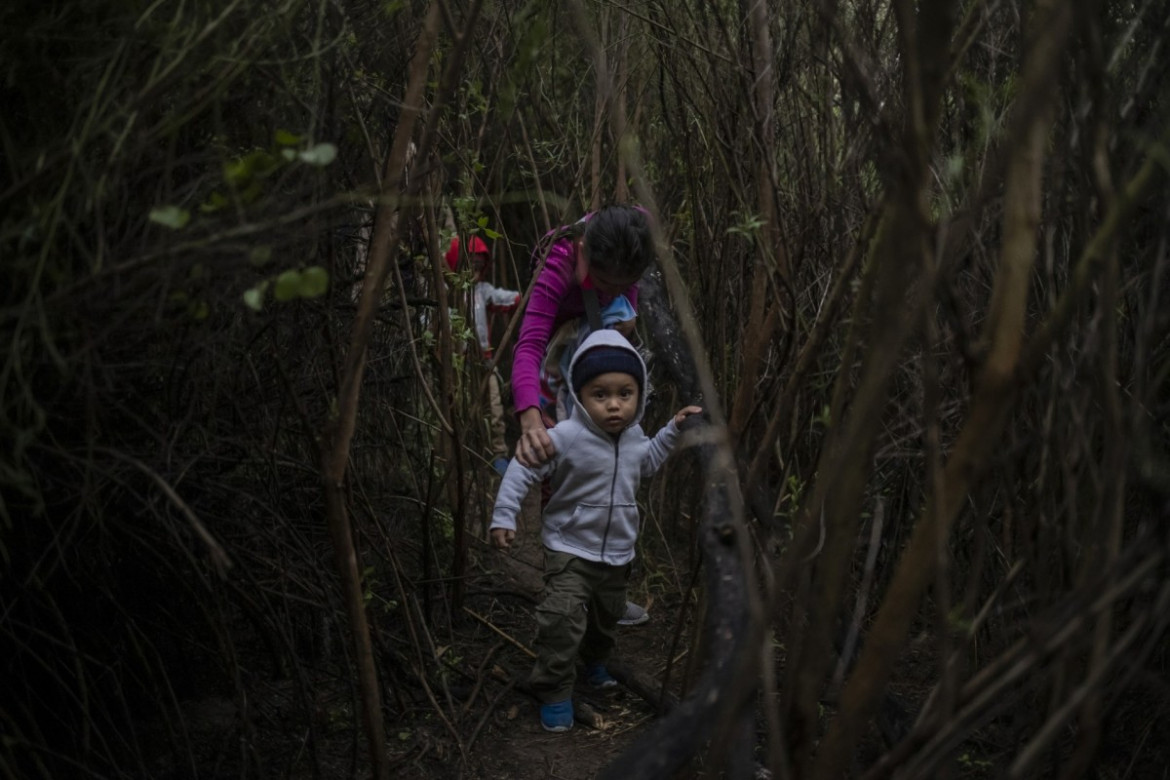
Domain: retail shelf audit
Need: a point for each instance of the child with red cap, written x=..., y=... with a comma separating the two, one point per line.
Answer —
x=590, y=524
x=486, y=299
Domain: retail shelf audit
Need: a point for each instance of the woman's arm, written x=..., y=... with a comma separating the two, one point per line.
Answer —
x=540, y=317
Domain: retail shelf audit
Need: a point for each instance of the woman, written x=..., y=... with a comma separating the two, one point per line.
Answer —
x=601, y=257
x=589, y=265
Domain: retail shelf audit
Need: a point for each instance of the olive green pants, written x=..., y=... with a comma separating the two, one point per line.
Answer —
x=577, y=617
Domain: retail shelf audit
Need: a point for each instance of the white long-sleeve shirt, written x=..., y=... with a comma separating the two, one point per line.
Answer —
x=488, y=298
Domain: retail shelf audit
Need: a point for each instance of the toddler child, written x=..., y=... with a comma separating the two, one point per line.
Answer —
x=590, y=524
x=486, y=299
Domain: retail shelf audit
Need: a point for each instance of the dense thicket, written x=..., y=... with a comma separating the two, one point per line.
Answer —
x=918, y=253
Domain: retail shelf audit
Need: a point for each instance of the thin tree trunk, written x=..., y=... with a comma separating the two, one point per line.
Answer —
x=621, y=189
x=756, y=337
x=339, y=429
x=600, y=106
x=1111, y=513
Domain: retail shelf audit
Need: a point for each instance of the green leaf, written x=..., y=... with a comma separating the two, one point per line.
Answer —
x=260, y=255
x=254, y=298
x=215, y=201
x=288, y=154
x=285, y=138
x=493, y=235
x=953, y=168
x=173, y=217
x=258, y=163
x=314, y=282
x=482, y=221
x=288, y=286
x=236, y=172
x=320, y=155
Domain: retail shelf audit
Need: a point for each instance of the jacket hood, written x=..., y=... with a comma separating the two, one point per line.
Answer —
x=607, y=337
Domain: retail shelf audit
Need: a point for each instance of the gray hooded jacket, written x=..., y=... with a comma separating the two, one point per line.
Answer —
x=593, y=511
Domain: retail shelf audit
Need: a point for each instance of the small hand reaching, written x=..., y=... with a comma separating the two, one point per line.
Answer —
x=686, y=412
x=502, y=538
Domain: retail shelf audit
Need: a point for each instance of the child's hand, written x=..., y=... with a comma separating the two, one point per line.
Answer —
x=502, y=538
x=686, y=412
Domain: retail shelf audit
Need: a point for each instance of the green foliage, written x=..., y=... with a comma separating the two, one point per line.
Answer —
x=482, y=223
x=244, y=172
x=748, y=226
x=527, y=57
x=444, y=527
x=254, y=296
x=958, y=620
x=283, y=137
x=290, y=285
x=468, y=211
x=790, y=499
x=971, y=761
x=170, y=216
x=260, y=256
x=215, y=201
x=320, y=155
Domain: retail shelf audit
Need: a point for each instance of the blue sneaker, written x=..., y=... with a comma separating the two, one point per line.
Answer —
x=557, y=716
x=500, y=465
x=598, y=677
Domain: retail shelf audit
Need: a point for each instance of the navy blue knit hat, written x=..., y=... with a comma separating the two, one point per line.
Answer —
x=602, y=360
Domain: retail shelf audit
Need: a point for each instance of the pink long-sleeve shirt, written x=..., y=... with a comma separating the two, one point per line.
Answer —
x=556, y=298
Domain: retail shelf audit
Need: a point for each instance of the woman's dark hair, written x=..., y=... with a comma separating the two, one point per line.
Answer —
x=617, y=240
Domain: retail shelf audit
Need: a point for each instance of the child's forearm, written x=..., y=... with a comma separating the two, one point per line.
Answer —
x=660, y=448
x=504, y=517
x=663, y=442
x=513, y=490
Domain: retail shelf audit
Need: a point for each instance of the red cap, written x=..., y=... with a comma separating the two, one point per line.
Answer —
x=478, y=247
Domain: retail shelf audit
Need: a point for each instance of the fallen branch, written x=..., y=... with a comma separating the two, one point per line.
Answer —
x=649, y=690
x=508, y=637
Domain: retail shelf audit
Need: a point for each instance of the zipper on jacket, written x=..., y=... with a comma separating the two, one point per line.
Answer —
x=612, y=486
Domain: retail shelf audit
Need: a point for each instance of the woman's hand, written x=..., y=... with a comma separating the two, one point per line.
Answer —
x=535, y=447
x=686, y=412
